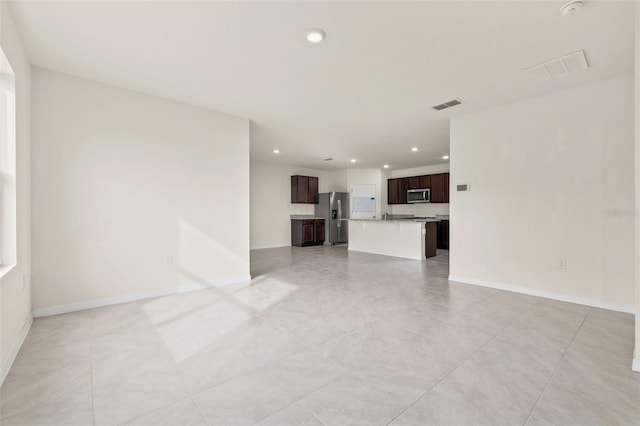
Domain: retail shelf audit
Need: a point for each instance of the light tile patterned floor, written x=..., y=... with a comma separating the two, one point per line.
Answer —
x=323, y=336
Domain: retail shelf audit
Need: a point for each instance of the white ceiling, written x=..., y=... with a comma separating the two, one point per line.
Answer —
x=366, y=92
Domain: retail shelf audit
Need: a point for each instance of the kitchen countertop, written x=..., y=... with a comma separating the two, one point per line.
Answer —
x=304, y=217
x=419, y=219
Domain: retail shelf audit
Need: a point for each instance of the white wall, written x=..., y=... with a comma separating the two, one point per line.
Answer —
x=15, y=286
x=551, y=178
x=636, y=356
x=121, y=182
x=335, y=181
x=271, y=200
x=426, y=209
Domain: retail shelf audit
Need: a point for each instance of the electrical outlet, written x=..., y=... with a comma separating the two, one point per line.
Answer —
x=562, y=264
x=169, y=260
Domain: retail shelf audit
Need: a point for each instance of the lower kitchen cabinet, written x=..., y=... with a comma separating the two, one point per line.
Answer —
x=307, y=232
x=430, y=239
x=443, y=235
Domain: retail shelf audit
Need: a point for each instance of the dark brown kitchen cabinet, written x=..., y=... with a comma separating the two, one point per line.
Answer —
x=403, y=186
x=443, y=235
x=414, y=182
x=440, y=188
x=304, y=189
x=439, y=185
x=392, y=191
x=446, y=187
x=419, y=182
x=318, y=235
x=307, y=232
x=430, y=239
x=313, y=190
x=397, y=190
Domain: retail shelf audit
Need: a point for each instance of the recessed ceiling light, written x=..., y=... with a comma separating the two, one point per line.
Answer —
x=414, y=149
x=276, y=151
x=572, y=7
x=315, y=35
x=445, y=157
x=386, y=166
x=353, y=160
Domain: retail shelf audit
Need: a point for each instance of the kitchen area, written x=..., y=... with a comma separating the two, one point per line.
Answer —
x=411, y=221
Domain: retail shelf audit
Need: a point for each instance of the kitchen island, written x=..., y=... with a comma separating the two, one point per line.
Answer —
x=410, y=239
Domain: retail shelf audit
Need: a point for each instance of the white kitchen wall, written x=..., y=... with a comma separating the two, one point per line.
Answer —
x=335, y=181
x=636, y=356
x=15, y=285
x=426, y=209
x=552, y=179
x=271, y=205
x=133, y=195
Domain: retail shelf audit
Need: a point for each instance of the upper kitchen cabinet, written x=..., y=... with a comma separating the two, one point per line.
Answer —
x=414, y=182
x=439, y=185
x=397, y=190
x=440, y=188
x=419, y=182
x=403, y=186
x=392, y=191
x=304, y=189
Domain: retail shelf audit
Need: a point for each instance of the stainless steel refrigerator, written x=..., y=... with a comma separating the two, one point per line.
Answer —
x=334, y=207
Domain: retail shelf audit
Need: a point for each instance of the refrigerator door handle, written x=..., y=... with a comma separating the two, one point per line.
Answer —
x=339, y=213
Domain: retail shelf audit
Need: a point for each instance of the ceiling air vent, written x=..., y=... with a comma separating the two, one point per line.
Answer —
x=447, y=104
x=569, y=64
x=327, y=159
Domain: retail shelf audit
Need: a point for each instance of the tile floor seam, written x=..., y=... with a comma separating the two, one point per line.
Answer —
x=252, y=370
x=445, y=377
x=479, y=316
x=564, y=353
x=136, y=417
x=346, y=368
x=294, y=397
x=112, y=356
x=150, y=411
x=301, y=343
x=316, y=390
x=313, y=415
x=93, y=388
x=183, y=381
x=195, y=401
x=228, y=342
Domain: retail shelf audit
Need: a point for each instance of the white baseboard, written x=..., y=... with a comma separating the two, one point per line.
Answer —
x=636, y=365
x=546, y=294
x=97, y=303
x=13, y=353
x=270, y=246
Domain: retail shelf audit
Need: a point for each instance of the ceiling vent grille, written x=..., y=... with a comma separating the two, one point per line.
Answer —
x=559, y=67
x=447, y=104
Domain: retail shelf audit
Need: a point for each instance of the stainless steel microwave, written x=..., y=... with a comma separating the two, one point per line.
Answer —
x=419, y=195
